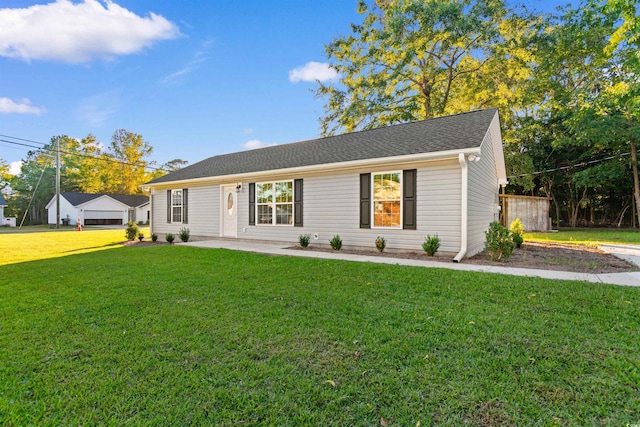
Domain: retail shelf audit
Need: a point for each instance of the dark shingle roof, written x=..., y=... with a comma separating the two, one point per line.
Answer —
x=3, y=202
x=79, y=198
x=455, y=132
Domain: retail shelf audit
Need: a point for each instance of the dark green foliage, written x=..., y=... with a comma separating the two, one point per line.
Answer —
x=184, y=234
x=431, y=244
x=304, y=239
x=169, y=237
x=154, y=237
x=498, y=242
x=141, y=236
x=336, y=242
x=132, y=231
x=381, y=243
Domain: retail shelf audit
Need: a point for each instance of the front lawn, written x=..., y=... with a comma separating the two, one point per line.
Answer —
x=587, y=236
x=173, y=335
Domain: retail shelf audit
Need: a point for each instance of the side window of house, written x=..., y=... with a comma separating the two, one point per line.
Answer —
x=390, y=197
x=176, y=206
x=274, y=203
x=387, y=199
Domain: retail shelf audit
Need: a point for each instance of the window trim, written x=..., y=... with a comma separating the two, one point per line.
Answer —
x=181, y=206
x=400, y=200
x=274, y=204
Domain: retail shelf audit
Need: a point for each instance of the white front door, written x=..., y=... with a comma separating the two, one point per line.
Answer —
x=229, y=209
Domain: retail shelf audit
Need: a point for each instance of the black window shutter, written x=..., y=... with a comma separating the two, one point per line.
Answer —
x=185, y=206
x=169, y=206
x=365, y=200
x=409, y=199
x=297, y=202
x=252, y=203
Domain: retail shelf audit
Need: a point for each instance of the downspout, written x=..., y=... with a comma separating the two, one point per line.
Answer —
x=463, y=207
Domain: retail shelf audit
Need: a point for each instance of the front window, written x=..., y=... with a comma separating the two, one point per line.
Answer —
x=387, y=199
x=176, y=206
x=274, y=203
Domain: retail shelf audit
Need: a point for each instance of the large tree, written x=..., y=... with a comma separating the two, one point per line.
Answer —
x=131, y=151
x=411, y=59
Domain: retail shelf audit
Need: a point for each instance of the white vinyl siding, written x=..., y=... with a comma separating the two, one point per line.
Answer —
x=483, y=192
x=204, y=212
x=332, y=206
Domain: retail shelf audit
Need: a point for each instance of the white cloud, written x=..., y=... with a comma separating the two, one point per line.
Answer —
x=255, y=143
x=8, y=106
x=78, y=32
x=312, y=71
x=14, y=167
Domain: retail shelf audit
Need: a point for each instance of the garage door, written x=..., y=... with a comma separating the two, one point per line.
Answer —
x=102, y=217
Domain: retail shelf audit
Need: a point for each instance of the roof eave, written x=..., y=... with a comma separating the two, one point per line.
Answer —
x=327, y=167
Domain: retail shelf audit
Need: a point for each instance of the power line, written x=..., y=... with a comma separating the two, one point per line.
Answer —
x=22, y=139
x=570, y=166
x=105, y=159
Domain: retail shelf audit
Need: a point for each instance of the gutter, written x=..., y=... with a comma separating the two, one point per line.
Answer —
x=462, y=159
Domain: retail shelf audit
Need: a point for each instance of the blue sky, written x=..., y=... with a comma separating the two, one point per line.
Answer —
x=195, y=78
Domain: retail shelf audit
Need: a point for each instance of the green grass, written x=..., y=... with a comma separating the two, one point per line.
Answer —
x=172, y=335
x=587, y=236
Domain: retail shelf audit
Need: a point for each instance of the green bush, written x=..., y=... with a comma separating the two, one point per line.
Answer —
x=140, y=236
x=169, y=237
x=154, y=237
x=184, y=234
x=381, y=243
x=499, y=242
x=304, y=239
x=431, y=244
x=132, y=231
x=336, y=242
x=517, y=232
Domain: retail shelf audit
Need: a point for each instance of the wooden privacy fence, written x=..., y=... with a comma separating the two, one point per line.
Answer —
x=532, y=211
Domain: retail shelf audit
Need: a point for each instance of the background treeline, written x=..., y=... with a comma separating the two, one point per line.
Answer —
x=567, y=86
x=86, y=165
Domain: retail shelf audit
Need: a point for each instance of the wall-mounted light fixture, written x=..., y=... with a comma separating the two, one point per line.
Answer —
x=473, y=158
x=238, y=187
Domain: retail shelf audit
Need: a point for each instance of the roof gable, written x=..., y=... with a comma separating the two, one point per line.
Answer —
x=456, y=132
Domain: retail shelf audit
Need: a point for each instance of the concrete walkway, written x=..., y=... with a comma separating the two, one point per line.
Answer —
x=630, y=253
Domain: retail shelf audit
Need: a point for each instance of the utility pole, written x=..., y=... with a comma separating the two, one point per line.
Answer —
x=57, y=182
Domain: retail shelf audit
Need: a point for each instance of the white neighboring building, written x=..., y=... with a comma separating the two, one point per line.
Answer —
x=11, y=222
x=98, y=209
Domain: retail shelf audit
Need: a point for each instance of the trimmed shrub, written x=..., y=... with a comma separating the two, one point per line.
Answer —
x=517, y=232
x=381, y=243
x=304, y=239
x=431, y=244
x=169, y=237
x=154, y=237
x=336, y=242
x=132, y=231
x=499, y=242
x=184, y=234
x=140, y=236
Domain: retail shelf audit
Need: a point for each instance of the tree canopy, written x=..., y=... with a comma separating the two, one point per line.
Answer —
x=566, y=83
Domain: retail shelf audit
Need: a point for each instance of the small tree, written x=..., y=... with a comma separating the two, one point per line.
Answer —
x=132, y=231
x=499, y=242
x=431, y=245
x=517, y=232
